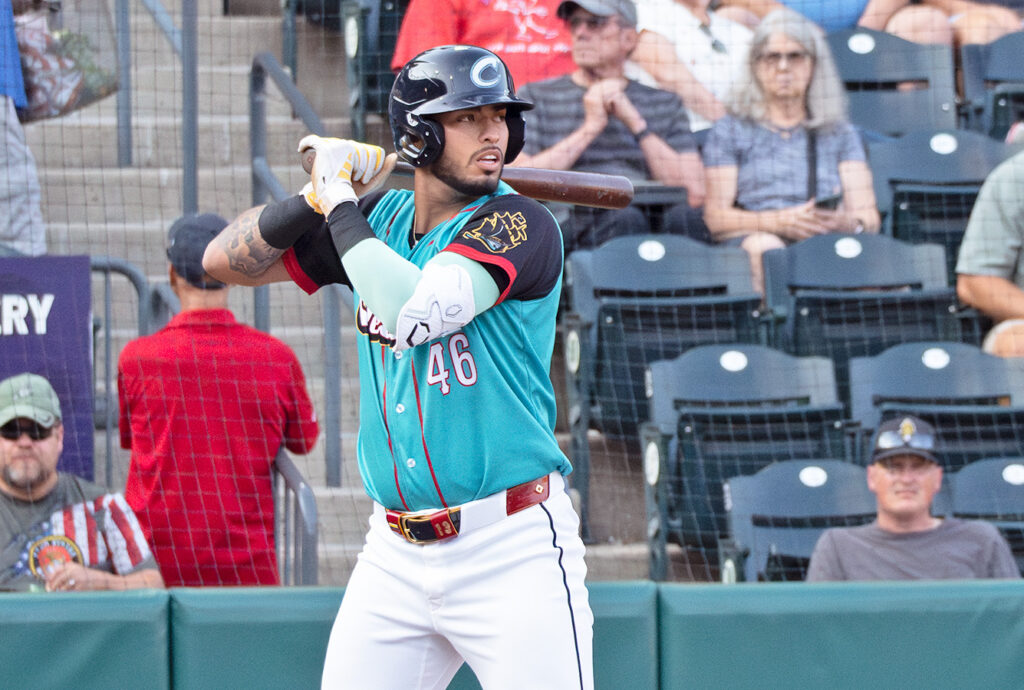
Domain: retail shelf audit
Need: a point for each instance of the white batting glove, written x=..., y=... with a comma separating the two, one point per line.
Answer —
x=309, y=194
x=339, y=163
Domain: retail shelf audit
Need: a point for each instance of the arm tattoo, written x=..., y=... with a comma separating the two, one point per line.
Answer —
x=247, y=252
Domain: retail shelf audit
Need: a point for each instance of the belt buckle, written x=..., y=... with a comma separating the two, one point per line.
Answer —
x=443, y=524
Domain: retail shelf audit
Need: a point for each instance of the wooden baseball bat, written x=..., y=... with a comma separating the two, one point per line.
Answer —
x=566, y=186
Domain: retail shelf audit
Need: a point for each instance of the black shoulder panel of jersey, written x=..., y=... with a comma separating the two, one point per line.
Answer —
x=519, y=243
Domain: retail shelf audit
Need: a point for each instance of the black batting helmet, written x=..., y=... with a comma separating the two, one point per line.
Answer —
x=444, y=79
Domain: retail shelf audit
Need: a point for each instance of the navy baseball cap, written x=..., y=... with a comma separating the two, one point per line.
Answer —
x=186, y=242
x=906, y=435
x=602, y=8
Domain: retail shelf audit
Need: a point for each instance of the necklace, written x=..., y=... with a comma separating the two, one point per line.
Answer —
x=784, y=132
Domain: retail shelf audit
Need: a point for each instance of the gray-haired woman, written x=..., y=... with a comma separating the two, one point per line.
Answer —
x=786, y=164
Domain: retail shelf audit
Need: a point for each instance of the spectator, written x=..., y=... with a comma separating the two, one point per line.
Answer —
x=526, y=34
x=906, y=542
x=786, y=147
x=59, y=532
x=22, y=229
x=205, y=405
x=907, y=19
x=990, y=267
x=693, y=51
x=979, y=22
x=597, y=120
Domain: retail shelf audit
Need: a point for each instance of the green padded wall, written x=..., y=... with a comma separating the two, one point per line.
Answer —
x=251, y=637
x=843, y=635
x=84, y=640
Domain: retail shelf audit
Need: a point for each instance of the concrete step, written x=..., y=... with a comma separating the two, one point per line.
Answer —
x=221, y=90
x=146, y=195
x=219, y=40
x=88, y=139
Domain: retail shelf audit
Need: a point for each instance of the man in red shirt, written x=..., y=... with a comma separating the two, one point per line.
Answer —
x=526, y=34
x=205, y=404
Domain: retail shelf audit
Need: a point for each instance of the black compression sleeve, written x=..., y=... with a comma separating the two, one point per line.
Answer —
x=283, y=222
x=348, y=227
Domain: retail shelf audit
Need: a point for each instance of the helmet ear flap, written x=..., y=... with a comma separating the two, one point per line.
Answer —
x=420, y=143
x=516, y=135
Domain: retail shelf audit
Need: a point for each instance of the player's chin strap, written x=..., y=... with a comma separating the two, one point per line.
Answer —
x=442, y=302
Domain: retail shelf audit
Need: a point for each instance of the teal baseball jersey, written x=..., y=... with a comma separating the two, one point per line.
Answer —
x=473, y=412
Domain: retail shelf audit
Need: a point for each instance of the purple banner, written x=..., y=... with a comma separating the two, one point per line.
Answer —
x=46, y=329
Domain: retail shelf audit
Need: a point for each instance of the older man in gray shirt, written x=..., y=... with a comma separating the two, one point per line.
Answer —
x=598, y=120
x=906, y=542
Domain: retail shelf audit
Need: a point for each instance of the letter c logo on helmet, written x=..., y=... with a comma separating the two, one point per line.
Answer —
x=486, y=72
x=444, y=79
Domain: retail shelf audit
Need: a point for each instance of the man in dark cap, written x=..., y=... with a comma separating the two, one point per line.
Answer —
x=205, y=405
x=906, y=542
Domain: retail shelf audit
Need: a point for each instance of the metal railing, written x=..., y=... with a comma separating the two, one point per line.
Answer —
x=295, y=524
x=155, y=306
x=264, y=184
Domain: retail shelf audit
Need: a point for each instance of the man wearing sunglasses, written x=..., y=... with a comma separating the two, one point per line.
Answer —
x=597, y=119
x=906, y=542
x=59, y=532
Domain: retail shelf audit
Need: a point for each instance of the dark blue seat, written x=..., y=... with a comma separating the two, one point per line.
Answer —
x=721, y=411
x=634, y=300
x=844, y=296
x=973, y=399
x=926, y=183
x=777, y=514
x=874, y=64
x=993, y=84
x=993, y=489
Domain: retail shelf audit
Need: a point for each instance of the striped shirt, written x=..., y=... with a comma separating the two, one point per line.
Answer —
x=558, y=112
x=77, y=520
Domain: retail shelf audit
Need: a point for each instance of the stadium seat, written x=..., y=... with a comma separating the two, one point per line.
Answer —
x=776, y=515
x=926, y=183
x=993, y=84
x=874, y=67
x=993, y=489
x=973, y=399
x=721, y=411
x=634, y=300
x=845, y=296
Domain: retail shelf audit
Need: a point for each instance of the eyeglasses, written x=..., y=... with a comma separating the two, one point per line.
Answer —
x=894, y=439
x=592, y=22
x=13, y=430
x=716, y=45
x=796, y=58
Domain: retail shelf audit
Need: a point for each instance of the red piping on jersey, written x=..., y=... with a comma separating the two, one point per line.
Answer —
x=291, y=264
x=487, y=258
x=426, y=453
x=387, y=429
x=391, y=222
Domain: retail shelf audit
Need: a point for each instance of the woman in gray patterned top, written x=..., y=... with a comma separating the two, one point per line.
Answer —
x=789, y=109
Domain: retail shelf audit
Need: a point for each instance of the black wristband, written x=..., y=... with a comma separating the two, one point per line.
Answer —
x=283, y=222
x=348, y=227
x=641, y=134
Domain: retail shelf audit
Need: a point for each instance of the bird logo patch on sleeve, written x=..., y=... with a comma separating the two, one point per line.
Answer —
x=499, y=232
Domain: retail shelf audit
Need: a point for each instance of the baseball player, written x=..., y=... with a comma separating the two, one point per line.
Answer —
x=473, y=550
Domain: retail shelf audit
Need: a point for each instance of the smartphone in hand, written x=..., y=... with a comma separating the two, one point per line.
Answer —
x=828, y=203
